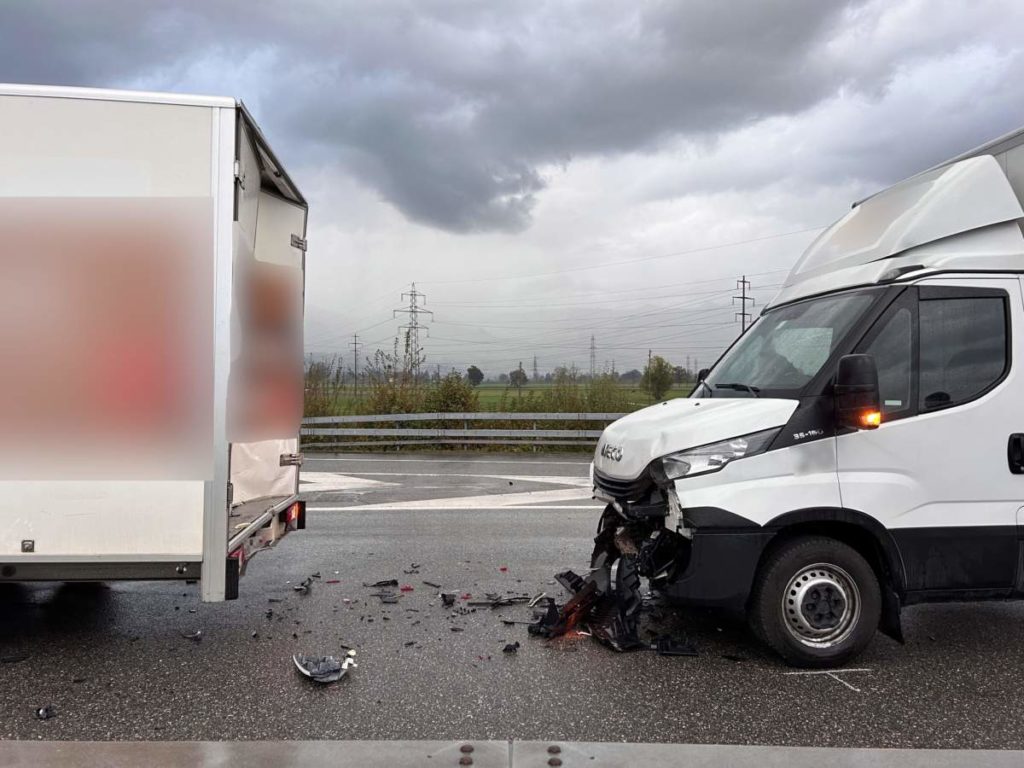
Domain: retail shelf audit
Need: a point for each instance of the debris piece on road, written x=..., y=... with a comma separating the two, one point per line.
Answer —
x=457, y=629
x=324, y=669
x=383, y=583
x=734, y=657
x=46, y=712
x=14, y=658
x=610, y=611
x=411, y=642
x=77, y=680
x=333, y=581
x=503, y=569
x=500, y=601
x=511, y=647
x=406, y=588
x=448, y=598
x=513, y=622
x=537, y=598
x=303, y=587
x=275, y=599
x=467, y=596
x=666, y=645
x=388, y=598
x=195, y=637
x=432, y=584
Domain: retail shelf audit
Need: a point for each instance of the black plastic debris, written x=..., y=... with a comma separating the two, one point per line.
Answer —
x=448, y=599
x=500, y=601
x=46, y=712
x=195, y=637
x=432, y=584
x=457, y=629
x=511, y=647
x=609, y=611
x=669, y=646
x=387, y=598
x=324, y=669
x=13, y=658
x=383, y=583
x=303, y=587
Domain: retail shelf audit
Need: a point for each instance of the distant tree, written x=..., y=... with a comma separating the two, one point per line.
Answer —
x=632, y=376
x=657, y=377
x=518, y=377
x=475, y=375
x=503, y=378
x=678, y=374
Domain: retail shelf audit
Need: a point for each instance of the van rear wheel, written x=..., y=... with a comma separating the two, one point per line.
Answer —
x=816, y=602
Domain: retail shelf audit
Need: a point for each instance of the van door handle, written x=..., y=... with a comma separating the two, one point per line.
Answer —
x=1015, y=453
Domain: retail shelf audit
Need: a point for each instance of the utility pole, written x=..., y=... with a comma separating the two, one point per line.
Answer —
x=356, y=344
x=648, y=358
x=536, y=375
x=413, y=327
x=593, y=357
x=742, y=285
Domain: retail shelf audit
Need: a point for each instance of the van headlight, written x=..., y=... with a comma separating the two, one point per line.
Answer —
x=711, y=458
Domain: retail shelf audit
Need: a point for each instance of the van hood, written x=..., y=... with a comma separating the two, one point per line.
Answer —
x=628, y=445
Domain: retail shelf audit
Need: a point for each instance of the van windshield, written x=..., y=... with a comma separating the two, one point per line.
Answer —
x=783, y=351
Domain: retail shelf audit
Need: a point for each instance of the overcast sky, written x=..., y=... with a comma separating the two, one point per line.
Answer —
x=550, y=170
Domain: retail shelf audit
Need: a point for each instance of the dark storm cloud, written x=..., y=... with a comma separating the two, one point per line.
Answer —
x=451, y=110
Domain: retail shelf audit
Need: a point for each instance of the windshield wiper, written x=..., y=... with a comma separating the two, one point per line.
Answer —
x=739, y=388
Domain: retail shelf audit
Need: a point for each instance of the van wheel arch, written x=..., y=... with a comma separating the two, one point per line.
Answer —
x=859, y=531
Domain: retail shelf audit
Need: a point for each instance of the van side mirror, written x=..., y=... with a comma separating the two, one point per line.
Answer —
x=857, y=399
x=702, y=374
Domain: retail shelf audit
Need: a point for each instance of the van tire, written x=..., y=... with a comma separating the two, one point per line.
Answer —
x=819, y=571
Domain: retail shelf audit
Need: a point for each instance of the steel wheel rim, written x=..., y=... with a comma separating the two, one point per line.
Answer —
x=821, y=605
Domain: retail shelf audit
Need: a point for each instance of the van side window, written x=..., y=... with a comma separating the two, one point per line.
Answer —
x=963, y=349
x=893, y=351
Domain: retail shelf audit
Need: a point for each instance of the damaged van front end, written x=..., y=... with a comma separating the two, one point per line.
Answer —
x=668, y=515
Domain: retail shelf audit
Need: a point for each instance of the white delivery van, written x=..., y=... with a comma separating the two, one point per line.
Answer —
x=152, y=249
x=861, y=447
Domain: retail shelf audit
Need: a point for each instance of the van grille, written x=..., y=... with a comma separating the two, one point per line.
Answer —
x=625, y=490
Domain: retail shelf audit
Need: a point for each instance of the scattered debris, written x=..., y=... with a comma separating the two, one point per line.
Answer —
x=383, y=583
x=195, y=637
x=333, y=581
x=406, y=588
x=78, y=680
x=14, y=658
x=457, y=629
x=275, y=599
x=511, y=647
x=303, y=587
x=254, y=634
x=609, y=610
x=503, y=569
x=467, y=596
x=411, y=642
x=500, y=601
x=387, y=598
x=432, y=584
x=46, y=712
x=324, y=669
x=448, y=599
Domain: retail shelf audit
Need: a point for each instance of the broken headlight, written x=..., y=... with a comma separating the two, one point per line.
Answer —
x=711, y=458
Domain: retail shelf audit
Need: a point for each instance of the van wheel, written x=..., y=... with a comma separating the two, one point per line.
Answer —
x=816, y=602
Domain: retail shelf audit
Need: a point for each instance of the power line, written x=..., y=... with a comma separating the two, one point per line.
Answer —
x=686, y=252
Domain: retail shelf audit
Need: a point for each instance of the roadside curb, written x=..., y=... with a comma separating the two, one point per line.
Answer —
x=480, y=754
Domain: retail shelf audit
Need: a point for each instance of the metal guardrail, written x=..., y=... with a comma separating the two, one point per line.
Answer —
x=440, y=430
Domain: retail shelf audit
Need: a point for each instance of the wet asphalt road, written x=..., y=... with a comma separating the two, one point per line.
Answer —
x=113, y=661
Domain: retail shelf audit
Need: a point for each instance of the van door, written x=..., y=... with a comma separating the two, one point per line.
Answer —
x=936, y=472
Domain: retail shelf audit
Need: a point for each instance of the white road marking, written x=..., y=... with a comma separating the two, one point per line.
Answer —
x=391, y=508
x=334, y=481
x=576, y=480
x=834, y=674
x=463, y=460
x=489, y=501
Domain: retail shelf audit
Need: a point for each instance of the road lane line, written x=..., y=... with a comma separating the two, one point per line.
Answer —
x=489, y=501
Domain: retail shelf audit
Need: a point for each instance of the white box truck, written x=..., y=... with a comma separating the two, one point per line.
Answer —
x=861, y=447
x=152, y=249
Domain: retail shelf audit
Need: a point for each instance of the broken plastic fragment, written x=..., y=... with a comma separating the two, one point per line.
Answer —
x=194, y=637
x=448, y=598
x=669, y=646
x=511, y=647
x=432, y=584
x=406, y=588
x=383, y=583
x=324, y=669
x=46, y=712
